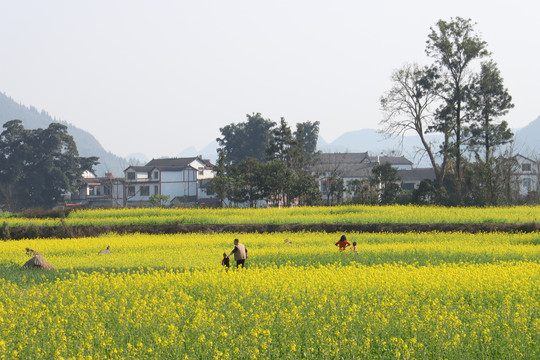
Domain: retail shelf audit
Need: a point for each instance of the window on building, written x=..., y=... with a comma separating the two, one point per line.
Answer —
x=107, y=190
x=156, y=175
x=98, y=191
x=131, y=190
x=407, y=186
x=145, y=190
x=324, y=189
x=526, y=183
x=156, y=189
x=201, y=170
x=91, y=190
x=526, y=167
x=131, y=176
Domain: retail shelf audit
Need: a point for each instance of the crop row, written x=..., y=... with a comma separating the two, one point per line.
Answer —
x=413, y=295
x=357, y=214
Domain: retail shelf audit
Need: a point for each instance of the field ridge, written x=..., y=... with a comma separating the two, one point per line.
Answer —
x=77, y=231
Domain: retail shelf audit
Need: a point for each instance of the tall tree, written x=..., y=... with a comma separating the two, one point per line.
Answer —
x=308, y=134
x=247, y=182
x=454, y=45
x=280, y=142
x=220, y=184
x=489, y=100
x=37, y=167
x=407, y=107
x=247, y=139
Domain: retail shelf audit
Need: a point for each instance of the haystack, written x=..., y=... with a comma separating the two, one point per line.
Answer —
x=106, y=251
x=38, y=261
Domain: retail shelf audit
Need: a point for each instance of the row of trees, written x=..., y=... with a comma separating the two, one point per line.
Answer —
x=462, y=96
x=382, y=187
x=38, y=167
x=261, y=160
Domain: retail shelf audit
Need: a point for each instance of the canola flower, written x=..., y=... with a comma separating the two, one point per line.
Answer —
x=433, y=295
x=360, y=214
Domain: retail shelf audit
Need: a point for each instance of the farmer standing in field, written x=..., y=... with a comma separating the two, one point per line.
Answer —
x=343, y=243
x=240, y=253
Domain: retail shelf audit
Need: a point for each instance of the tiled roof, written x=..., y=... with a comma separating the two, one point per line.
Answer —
x=354, y=165
x=172, y=162
x=418, y=174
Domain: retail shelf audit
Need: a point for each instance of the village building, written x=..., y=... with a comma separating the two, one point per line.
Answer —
x=94, y=191
x=181, y=179
x=524, y=175
x=349, y=167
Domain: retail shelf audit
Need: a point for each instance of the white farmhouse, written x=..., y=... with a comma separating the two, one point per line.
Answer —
x=525, y=175
x=179, y=178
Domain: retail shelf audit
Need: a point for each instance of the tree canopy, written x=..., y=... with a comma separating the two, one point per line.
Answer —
x=37, y=167
x=262, y=160
x=462, y=97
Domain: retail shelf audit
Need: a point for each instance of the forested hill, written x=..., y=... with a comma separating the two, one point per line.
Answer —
x=86, y=142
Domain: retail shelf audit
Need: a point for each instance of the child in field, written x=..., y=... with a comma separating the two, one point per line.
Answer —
x=354, y=246
x=225, y=261
x=343, y=243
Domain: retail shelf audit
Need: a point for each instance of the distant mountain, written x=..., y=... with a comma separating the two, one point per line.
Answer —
x=86, y=143
x=527, y=139
x=137, y=159
x=207, y=152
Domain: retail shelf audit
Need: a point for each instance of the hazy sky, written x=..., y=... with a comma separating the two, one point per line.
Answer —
x=159, y=76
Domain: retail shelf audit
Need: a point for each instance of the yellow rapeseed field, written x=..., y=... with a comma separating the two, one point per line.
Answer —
x=400, y=296
x=358, y=214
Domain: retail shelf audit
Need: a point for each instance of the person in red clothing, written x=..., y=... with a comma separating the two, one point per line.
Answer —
x=343, y=243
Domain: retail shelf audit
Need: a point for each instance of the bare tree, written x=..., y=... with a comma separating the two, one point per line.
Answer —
x=407, y=107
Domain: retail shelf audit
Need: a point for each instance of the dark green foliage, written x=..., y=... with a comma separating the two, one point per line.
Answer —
x=488, y=100
x=33, y=232
x=248, y=139
x=5, y=234
x=87, y=145
x=276, y=174
x=158, y=200
x=40, y=213
x=386, y=180
x=465, y=107
x=37, y=167
x=454, y=45
x=425, y=194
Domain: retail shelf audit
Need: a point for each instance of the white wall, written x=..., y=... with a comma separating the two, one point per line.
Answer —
x=179, y=183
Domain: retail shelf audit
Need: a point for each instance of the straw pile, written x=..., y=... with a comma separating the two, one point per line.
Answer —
x=37, y=261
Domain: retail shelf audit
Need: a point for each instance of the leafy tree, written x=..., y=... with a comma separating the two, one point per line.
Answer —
x=37, y=167
x=248, y=139
x=247, y=185
x=276, y=180
x=362, y=192
x=304, y=149
x=425, y=194
x=220, y=184
x=385, y=179
x=305, y=188
x=158, y=200
x=454, y=45
x=280, y=142
x=488, y=101
x=335, y=188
